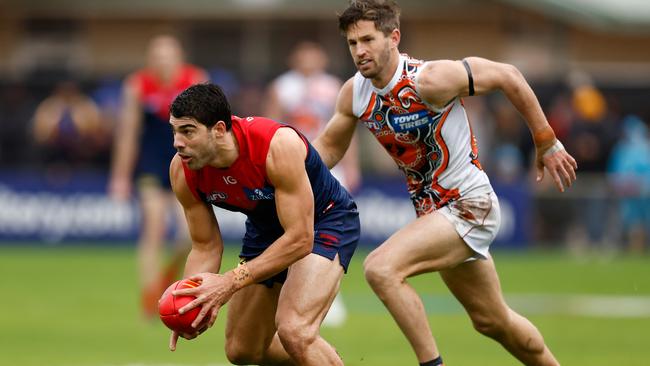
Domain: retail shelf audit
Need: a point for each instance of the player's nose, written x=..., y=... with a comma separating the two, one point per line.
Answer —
x=178, y=142
x=360, y=50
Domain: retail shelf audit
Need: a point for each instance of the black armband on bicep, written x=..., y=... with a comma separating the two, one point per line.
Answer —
x=469, y=76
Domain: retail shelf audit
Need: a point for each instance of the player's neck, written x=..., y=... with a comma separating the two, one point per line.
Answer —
x=387, y=73
x=227, y=152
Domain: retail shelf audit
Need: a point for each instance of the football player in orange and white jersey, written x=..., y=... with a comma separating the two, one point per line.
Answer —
x=414, y=110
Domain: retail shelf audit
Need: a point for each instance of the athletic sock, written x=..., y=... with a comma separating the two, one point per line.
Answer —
x=435, y=362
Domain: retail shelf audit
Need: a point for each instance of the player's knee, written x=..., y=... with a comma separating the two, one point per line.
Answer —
x=490, y=325
x=297, y=336
x=378, y=272
x=241, y=354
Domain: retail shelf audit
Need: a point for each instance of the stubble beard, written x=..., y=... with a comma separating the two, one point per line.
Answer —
x=198, y=160
x=380, y=62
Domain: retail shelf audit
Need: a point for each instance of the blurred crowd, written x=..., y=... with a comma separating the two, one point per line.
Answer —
x=60, y=123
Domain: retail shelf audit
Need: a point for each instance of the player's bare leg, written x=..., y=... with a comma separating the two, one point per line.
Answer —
x=476, y=285
x=251, y=337
x=428, y=244
x=153, y=204
x=432, y=244
x=181, y=245
x=310, y=288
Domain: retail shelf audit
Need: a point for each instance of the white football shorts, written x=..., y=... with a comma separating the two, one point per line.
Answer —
x=476, y=220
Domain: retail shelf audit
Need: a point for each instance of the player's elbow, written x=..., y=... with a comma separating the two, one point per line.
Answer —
x=331, y=151
x=512, y=78
x=302, y=243
x=324, y=152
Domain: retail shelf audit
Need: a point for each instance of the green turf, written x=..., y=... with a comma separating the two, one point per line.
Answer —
x=78, y=306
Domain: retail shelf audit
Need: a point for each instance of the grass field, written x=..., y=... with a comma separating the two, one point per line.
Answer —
x=76, y=305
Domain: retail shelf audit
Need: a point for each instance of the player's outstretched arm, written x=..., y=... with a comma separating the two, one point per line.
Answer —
x=442, y=81
x=334, y=140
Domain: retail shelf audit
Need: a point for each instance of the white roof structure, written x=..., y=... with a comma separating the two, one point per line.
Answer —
x=619, y=15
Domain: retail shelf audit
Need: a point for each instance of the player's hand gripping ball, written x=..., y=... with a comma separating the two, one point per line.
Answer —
x=168, y=307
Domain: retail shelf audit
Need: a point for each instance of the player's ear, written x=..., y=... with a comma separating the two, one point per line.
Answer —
x=219, y=129
x=395, y=37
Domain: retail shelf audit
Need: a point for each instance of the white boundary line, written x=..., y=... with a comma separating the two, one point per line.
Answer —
x=605, y=306
x=583, y=305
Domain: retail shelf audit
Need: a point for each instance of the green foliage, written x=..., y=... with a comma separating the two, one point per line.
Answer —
x=79, y=306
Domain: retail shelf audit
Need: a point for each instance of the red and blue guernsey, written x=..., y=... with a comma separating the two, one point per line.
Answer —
x=245, y=187
x=155, y=96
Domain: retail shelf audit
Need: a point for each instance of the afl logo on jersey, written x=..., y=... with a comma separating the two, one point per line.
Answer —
x=372, y=125
x=215, y=197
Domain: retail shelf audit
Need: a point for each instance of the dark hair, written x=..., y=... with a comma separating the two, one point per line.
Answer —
x=206, y=103
x=384, y=13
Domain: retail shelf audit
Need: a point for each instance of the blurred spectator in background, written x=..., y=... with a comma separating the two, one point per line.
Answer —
x=226, y=79
x=17, y=105
x=67, y=127
x=510, y=129
x=108, y=96
x=592, y=133
x=143, y=149
x=629, y=170
x=305, y=97
x=250, y=98
x=508, y=166
x=592, y=129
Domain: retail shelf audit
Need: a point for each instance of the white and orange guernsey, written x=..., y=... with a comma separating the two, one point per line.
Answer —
x=435, y=148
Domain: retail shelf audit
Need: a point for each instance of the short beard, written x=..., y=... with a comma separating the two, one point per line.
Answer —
x=193, y=165
x=381, y=62
x=369, y=74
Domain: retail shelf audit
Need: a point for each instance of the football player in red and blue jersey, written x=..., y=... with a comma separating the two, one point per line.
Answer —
x=142, y=153
x=301, y=231
x=414, y=109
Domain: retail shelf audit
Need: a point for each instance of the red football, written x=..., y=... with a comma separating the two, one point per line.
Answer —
x=168, y=306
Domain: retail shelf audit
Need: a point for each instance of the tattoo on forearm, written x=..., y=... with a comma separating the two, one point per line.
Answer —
x=241, y=273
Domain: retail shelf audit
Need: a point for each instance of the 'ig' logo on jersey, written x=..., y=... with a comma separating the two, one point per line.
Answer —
x=229, y=179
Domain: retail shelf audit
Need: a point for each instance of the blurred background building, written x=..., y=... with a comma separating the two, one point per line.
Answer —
x=588, y=62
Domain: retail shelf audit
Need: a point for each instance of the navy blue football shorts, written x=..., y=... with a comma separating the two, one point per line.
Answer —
x=336, y=232
x=156, y=151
